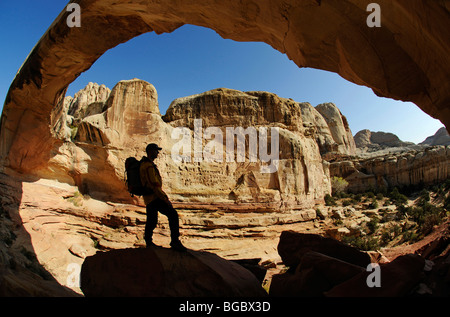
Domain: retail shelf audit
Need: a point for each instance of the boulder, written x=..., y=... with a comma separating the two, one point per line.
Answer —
x=162, y=272
x=397, y=278
x=293, y=246
x=315, y=274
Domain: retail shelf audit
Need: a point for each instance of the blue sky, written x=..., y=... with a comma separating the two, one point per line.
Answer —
x=192, y=60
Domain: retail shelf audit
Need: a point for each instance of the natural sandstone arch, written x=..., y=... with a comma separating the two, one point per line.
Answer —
x=406, y=59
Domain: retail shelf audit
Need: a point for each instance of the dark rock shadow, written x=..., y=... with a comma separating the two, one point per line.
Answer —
x=162, y=272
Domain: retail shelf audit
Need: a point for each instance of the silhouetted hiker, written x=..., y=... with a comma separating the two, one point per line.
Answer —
x=157, y=200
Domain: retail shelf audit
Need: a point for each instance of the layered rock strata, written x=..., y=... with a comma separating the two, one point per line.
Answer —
x=95, y=140
x=339, y=128
x=414, y=167
x=370, y=141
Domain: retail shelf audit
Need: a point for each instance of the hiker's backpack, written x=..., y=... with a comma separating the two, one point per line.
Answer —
x=133, y=177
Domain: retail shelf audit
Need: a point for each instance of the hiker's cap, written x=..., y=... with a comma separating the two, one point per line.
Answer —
x=153, y=146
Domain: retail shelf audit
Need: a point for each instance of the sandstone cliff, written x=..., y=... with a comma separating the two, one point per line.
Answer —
x=370, y=141
x=95, y=138
x=384, y=161
x=441, y=137
x=98, y=129
x=413, y=167
x=379, y=58
x=339, y=128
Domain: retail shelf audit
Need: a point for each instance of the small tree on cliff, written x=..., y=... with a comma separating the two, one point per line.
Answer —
x=338, y=185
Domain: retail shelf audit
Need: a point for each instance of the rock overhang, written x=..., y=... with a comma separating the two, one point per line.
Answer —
x=405, y=59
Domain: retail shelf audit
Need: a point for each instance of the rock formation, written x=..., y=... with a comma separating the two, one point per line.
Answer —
x=374, y=141
x=384, y=161
x=379, y=58
x=95, y=140
x=293, y=246
x=413, y=167
x=441, y=137
x=325, y=267
x=339, y=128
x=161, y=272
x=301, y=169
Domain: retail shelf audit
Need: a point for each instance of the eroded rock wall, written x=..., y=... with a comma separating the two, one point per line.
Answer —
x=414, y=167
x=94, y=144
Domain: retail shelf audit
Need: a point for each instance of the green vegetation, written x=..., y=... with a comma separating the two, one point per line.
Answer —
x=412, y=214
x=76, y=199
x=329, y=200
x=338, y=185
x=73, y=132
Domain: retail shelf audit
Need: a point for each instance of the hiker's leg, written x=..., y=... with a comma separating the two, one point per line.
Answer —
x=166, y=209
x=152, y=221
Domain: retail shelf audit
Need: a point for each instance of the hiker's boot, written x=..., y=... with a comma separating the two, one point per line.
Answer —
x=149, y=244
x=177, y=246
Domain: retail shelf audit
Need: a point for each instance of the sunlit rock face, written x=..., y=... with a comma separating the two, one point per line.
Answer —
x=281, y=166
x=406, y=58
x=408, y=168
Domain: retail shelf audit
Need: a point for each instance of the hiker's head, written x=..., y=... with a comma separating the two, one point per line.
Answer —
x=152, y=150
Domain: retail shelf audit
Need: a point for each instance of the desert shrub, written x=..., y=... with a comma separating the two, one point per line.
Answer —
x=424, y=196
x=329, y=201
x=338, y=185
x=373, y=204
x=447, y=184
x=385, y=238
x=397, y=198
x=447, y=203
x=370, y=195
x=389, y=233
x=358, y=197
x=365, y=243
x=347, y=202
x=396, y=230
x=429, y=221
x=76, y=199
x=419, y=213
x=404, y=210
x=425, y=214
x=373, y=224
x=410, y=236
